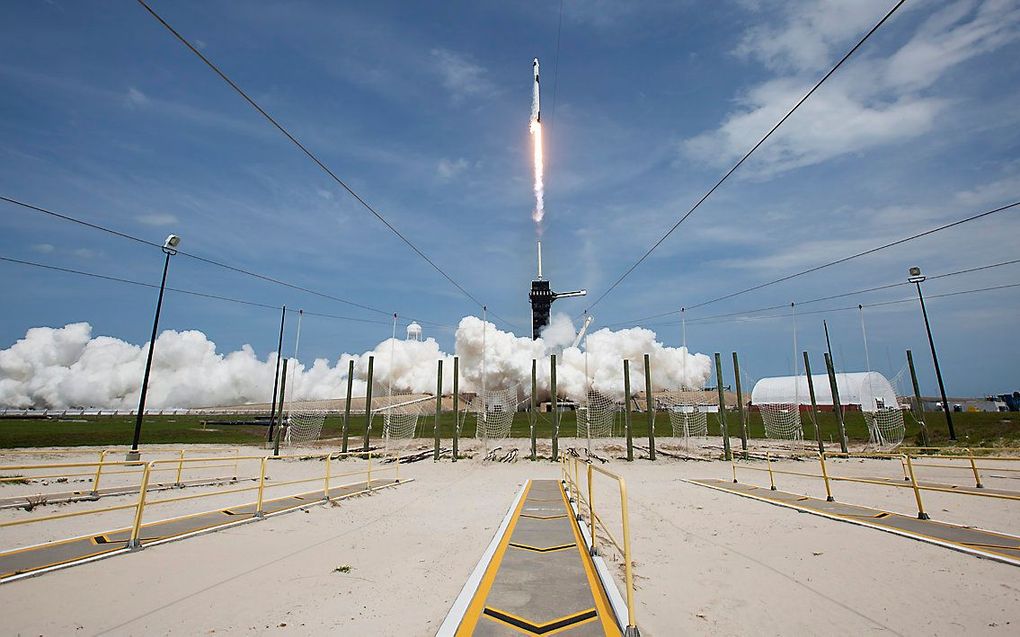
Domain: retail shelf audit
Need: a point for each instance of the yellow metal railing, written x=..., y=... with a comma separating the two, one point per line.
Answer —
x=262, y=486
x=571, y=474
x=126, y=467
x=181, y=462
x=910, y=479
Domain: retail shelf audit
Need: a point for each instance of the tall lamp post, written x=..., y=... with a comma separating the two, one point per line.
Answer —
x=917, y=278
x=169, y=249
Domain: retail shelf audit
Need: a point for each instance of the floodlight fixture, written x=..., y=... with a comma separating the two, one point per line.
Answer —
x=171, y=243
x=915, y=275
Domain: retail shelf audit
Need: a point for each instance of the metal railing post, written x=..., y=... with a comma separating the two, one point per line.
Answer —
x=180, y=469
x=397, y=478
x=136, y=527
x=237, y=459
x=369, y=470
x=921, y=515
x=973, y=467
x=903, y=462
x=825, y=477
x=772, y=478
x=628, y=567
x=99, y=472
x=591, y=515
x=733, y=464
x=262, y=487
x=325, y=492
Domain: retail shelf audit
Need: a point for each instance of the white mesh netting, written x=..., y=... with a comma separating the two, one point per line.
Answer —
x=494, y=412
x=597, y=416
x=687, y=413
x=885, y=427
x=781, y=420
x=304, y=425
x=400, y=419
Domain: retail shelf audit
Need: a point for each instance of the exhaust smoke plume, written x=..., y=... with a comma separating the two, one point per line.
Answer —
x=67, y=367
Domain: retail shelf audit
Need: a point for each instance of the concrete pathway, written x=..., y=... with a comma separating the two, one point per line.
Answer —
x=540, y=579
x=51, y=555
x=996, y=546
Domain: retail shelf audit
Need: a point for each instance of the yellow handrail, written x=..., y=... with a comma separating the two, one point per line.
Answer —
x=595, y=521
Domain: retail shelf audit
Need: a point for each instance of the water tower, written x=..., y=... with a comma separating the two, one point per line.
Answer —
x=414, y=332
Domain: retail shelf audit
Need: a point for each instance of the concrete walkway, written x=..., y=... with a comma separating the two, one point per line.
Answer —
x=539, y=580
x=989, y=544
x=51, y=555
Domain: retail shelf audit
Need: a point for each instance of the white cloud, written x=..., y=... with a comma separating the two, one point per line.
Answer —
x=43, y=248
x=86, y=253
x=450, y=168
x=462, y=77
x=872, y=102
x=158, y=219
x=136, y=98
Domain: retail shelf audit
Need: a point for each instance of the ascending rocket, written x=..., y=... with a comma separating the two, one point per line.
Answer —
x=536, y=104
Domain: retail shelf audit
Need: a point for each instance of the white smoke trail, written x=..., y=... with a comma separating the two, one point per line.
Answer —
x=68, y=367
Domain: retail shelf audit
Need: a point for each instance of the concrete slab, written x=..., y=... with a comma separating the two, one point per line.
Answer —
x=51, y=555
x=1001, y=547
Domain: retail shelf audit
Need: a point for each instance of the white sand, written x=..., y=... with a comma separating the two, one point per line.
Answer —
x=707, y=562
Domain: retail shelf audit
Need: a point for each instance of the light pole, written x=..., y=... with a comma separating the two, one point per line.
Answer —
x=169, y=249
x=917, y=278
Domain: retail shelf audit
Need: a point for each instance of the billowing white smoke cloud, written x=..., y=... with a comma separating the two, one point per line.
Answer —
x=67, y=367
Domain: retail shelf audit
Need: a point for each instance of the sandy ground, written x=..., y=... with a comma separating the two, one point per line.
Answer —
x=706, y=562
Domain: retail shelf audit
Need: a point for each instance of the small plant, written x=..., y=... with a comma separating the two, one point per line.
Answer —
x=14, y=479
x=343, y=568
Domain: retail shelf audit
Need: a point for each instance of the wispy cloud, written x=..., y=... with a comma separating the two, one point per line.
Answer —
x=136, y=98
x=873, y=102
x=462, y=76
x=158, y=219
x=448, y=169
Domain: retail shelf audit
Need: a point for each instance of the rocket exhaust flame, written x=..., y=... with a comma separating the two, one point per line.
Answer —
x=536, y=133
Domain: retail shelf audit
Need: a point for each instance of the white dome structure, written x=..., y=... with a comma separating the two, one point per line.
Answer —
x=870, y=390
x=414, y=332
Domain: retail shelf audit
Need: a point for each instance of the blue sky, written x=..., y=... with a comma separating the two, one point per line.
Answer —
x=424, y=112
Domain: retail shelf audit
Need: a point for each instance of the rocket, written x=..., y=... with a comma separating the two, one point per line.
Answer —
x=535, y=95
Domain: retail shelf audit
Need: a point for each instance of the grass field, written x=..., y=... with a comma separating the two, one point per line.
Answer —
x=973, y=429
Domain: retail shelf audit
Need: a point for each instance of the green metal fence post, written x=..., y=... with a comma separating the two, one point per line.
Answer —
x=740, y=404
x=555, y=410
x=534, y=414
x=347, y=407
x=279, y=420
x=919, y=406
x=727, y=454
x=835, y=403
x=439, y=408
x=626, y=410
x=814, y=403
x=368, y=403
x=456, y=405
x=650, y=407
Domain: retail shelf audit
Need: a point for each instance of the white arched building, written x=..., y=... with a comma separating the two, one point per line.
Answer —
x=781, y=399
x=870, y=391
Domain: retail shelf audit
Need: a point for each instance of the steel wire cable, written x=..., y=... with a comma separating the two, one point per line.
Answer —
x=304, y=149
x=748, y=153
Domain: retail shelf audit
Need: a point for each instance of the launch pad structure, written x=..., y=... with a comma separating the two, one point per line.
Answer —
x=542, y=297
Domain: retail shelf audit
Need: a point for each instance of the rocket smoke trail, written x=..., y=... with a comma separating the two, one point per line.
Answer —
x=536, y=133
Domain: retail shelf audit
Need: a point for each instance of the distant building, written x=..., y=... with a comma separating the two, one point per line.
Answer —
x=869, y=391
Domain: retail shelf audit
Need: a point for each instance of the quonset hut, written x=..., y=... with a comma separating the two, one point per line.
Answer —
x=866, y=391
